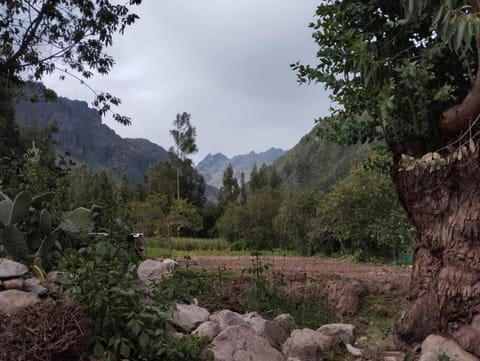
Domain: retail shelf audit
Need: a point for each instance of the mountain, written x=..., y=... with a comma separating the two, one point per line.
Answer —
x=315, y=163
x=213, y=165
x=82, y=134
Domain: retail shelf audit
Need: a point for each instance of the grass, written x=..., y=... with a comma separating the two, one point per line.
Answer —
x=160, y=248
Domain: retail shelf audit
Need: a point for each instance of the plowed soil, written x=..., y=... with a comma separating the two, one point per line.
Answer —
x=377, y=278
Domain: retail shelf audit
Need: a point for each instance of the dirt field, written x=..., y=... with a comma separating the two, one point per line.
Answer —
x=375, y=277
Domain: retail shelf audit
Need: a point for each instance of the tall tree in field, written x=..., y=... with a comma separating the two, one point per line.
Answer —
x=229, y=190
x=184, y=135
x=407, y=72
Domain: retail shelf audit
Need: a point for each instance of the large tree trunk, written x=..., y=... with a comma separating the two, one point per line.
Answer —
x=444, y=206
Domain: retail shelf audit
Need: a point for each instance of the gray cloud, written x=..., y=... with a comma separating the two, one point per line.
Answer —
x=225, y=62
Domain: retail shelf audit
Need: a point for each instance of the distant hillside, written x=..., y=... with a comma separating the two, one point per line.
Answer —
x=82, y=134
x=315, y=163
x=213, y=166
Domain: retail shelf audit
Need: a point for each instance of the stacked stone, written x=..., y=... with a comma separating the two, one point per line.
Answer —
x=17, y=290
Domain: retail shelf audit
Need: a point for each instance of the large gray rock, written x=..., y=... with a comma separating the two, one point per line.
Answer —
x=269, y=330
x=286, y=321
x=240, y=343
x=34, y=285
x=151, y=270
x=441, y=346
x=226, y=318
x=343, y=296
x=340, y=332
x=208, y=329
x=468, y=337
x=189, y=317
x=13, y=284
x=307, y=345
x=11, y=269
x=11, y=301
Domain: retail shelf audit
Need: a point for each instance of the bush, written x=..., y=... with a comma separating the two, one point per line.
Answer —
x=103, y=281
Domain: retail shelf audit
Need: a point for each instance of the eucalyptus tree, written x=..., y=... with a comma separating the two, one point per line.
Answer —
x=407, y=72
x=183, y=134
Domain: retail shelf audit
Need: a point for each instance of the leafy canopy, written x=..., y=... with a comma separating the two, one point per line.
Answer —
x=392, y=67
x=40, y=37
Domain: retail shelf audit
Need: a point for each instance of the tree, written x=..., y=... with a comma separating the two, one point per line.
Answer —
x=183, y=135
x=229, y=190
x=41, y=37
x=407, y=72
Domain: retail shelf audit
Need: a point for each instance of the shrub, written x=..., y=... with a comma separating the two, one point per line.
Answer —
x=104, y=282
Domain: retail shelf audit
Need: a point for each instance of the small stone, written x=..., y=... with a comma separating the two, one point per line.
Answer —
x=340, y=332
x=353, y=350
x=11, y=269
x=286, y=321
x=189, y=317
x=307, y=345
x=151, y=270
x=11, y=301
x=13, y=284
x=251, y=315
x=208, y=329
x=56, y=277
x=226, y=318
x=35, y=286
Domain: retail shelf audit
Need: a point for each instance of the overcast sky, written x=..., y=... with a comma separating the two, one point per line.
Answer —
x=225, y=62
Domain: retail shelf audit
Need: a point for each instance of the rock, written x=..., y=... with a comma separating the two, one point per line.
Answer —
x=251, y=315
x=189, y=317
x=269, y=330
x=340, y=332
x=439, y=345
x=468, y=337
x=35, y=286
x=12, y=301
x=343, y=296
x=171, y=264
x=394, y=356
x=11, y=269
x=226, y=318
x=208, y=329
x=286, y=321
x=13, y=284
x=240, y=343
x=56, y=277
x=307, y=345
x=428, y=356
x=151, y=270
x=353, y=350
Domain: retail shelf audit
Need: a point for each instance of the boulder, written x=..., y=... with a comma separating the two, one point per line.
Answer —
x=343, y=296
x=340, y=332
x=11, y=269
x=208, y=329
x=56, y=277
x=251, y=315
x=469, y=336
x=240, y=343
x=11, y=301
x=442, y=346
x=286, y=321
x=307, y=345
x=226, y=318
x=189, y=317
x=269, y=330
x=35, y=286
x=13, y=284
x=151, y=270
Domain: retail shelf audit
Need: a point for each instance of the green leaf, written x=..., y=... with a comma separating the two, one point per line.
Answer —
x=124, y=350
x=14, y=242
x=143, y=339
x=78, y=220
x=45, y=222
x=98, y=350
x=20, y=207
x=459, y=39
x=5, y=208
x=38, y=201
x=48, y=242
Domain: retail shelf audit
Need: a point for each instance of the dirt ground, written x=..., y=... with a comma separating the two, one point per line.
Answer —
x=377, y=278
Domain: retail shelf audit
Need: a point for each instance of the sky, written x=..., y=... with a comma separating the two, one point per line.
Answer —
x=225, y=62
